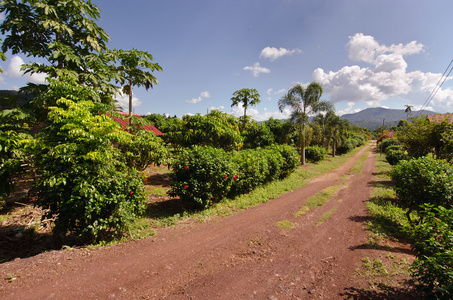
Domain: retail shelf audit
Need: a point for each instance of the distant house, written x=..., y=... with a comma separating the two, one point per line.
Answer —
x=125, y=123
x=440, y=118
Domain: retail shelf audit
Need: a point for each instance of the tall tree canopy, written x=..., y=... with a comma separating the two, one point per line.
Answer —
x=246, y=97
x=64, y=33
x=303, y=101
x=134, y=69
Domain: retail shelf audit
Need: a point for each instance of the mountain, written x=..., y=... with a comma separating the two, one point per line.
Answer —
x=372, y=118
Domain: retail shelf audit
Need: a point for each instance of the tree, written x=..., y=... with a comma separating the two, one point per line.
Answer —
x=246, y=97
x=408, y=110
x=302, y=101
x=62, y=32
x=134, y=69
x=321, y=120
x=336, y=130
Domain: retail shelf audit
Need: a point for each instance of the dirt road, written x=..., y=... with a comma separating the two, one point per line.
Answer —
x=244, y=256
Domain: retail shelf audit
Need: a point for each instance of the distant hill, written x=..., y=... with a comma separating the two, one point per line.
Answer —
x=371, y=118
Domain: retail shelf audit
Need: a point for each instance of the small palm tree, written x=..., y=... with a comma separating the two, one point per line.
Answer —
x=303, y=101
x=246, y=97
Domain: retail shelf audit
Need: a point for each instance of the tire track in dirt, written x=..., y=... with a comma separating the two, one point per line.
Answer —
x=242, y=256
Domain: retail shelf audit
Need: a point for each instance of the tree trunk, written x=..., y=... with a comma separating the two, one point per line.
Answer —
x=302, y=155
x=130, y=101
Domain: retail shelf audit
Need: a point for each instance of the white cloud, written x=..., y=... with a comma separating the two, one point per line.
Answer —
x=203, y=95
x=238, y=111
x=269, y=91
x=386, y=78
x=195, y=100
x=273, y=53
x=123, y=101
x=15, y=71
x=221, y=108
x=366, y=48
x=257, y=69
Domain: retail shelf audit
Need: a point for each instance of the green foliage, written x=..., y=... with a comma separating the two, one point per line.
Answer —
x=215, y=130
x=245, y=97
x=432, y=243
x=135, y=69
x=204, y=175
x=14, y=133
x=65, y=35
x=416, y=137
x=257, y=135
x=388, y=142
x=84, y=184
x=302, y=101
x=143, y=149
x=395, y=156
x=393, y=148
x=423, y=180
x=282, y=130
x=315, y=154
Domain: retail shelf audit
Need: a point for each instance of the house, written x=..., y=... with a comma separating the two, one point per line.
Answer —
x=125, y=123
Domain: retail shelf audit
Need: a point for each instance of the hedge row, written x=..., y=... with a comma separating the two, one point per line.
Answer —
x=204, y=175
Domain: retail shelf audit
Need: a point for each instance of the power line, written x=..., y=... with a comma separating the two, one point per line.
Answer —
x=443, y=78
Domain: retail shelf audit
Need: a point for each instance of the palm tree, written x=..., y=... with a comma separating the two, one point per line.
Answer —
x=326, y=109
x=303, y=101
x=337, y=128
x=246, y=97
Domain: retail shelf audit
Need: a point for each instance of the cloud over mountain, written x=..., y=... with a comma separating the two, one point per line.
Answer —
x=386, y=77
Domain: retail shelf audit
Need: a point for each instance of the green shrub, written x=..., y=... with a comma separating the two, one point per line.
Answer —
x=84, y=183
x=395, y=156
x=346, y=147
x=204, y=175
x=291, y=158
x=423, y=180
x=257, y=135
x=432, y=243
x=388, y=142
x=393, y=147
x=143, y=149
x=315, y=153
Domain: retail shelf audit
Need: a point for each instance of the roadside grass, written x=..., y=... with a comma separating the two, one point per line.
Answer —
x=388, y=275
x=319, y=199
x=387, y=219
x=285, y=224
x=357, y=168
x=382, y=273
x=159, y=217
x=325, y=216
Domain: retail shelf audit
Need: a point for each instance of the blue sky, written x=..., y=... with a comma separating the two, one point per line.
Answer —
x=365, y=53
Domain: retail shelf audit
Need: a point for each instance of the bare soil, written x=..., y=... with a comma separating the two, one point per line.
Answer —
x=249, y=255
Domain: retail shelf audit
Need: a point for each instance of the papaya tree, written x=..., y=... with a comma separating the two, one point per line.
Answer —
x=246, y=97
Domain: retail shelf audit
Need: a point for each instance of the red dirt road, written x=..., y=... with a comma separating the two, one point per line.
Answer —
x=244, y=256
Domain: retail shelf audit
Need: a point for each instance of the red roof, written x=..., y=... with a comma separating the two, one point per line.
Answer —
x=125, y=123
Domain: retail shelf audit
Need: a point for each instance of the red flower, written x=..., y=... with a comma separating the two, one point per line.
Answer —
x=186, y=186
x=185, y=167
x=226, y=175
x=235, y=177
x=146, y=179
x=132, y=192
